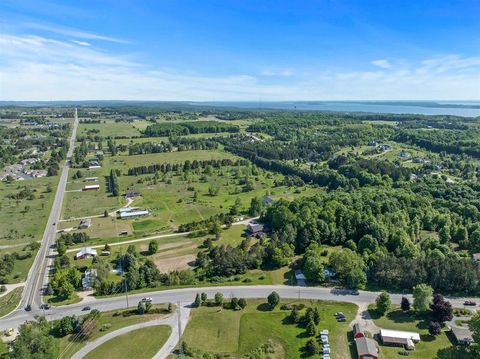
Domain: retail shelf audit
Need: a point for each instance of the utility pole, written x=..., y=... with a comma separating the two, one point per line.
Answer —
x=180, y=346
x=126, y=290
x=125, y=279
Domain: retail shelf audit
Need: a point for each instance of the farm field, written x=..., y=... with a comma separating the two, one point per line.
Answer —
x=429, y=346
x=216, y=330
x=173, y=198
x=25, y=218
x=113, y=320
x=110, y=128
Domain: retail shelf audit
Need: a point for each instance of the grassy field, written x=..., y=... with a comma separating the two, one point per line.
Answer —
x=27, y=218
x=171, y=200
x=21, y=266
x=216, y=330
x=114, y=319
x=79, y=203
x=110, y=128
x=141, y=343
x=429, y=347
x=10, y=301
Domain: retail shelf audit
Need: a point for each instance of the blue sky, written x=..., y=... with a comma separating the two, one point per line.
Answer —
x=239, y=50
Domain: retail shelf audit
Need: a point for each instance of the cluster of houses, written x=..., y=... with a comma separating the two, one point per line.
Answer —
x=49, y=124
x=21, y=171
x=382, y=146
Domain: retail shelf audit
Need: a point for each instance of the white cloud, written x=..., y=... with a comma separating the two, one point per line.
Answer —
x=41, y=68
x=277, y=73
x=71, y=32
x=382, y=63
x=81, y=43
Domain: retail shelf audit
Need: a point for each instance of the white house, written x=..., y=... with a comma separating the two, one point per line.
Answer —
x=88, y=279
x=85, y=253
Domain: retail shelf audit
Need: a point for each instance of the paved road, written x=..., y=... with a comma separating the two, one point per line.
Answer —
x=182, y=316
x=187, y=295
x=38, y=274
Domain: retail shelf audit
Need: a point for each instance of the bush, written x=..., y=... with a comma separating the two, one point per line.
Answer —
x=247, y=280
x=242, y=303
x=273, y=299
x=218, y=298
x=105, y=327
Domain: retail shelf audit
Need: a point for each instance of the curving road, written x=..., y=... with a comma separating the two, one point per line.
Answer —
x=187, y=295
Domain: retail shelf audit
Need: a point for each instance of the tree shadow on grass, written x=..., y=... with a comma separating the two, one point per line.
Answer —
x=455, y=353
x=304, y=335
x=289, y=277
x=427, y=338
x=351, y=345
x=264, y=307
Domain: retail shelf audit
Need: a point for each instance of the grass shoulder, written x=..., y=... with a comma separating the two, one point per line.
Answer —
x=10, y=301
x=108, y=322
x=140, y=343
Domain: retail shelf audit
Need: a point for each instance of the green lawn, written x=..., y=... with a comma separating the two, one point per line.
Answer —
x=429, y=347
x=10, y=301
x=216, y=330
x=114, y=319
x=141, y=343
x=57, y=302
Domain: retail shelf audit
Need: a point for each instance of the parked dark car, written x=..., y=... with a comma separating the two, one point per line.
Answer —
x=45, y=306
x=86, y=308
x=28, y=308
x=470, y=302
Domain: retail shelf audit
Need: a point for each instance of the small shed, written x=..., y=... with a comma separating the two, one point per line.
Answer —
x=463, y=335
x=85, y=223
x=131, y=193
x=357, y=331
x=254, y=227
x=300, y=278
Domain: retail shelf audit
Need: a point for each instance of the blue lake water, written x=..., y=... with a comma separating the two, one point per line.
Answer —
x=458, y=108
